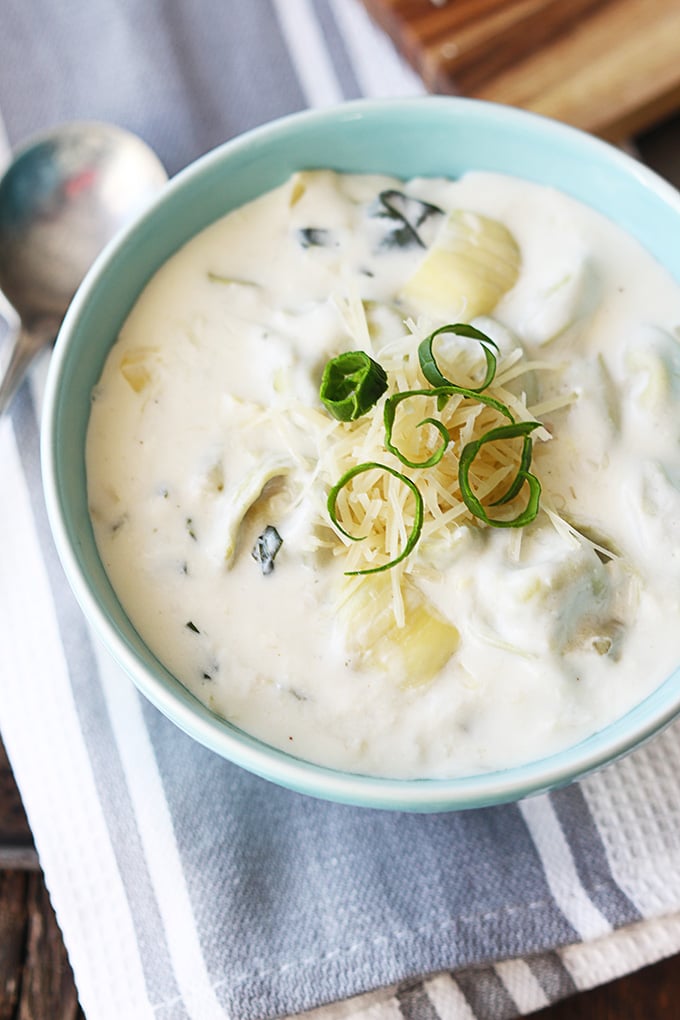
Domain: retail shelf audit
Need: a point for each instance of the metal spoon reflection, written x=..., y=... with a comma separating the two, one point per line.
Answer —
x=63, y=197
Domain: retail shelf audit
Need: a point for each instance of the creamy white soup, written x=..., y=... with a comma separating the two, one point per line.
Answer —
x=375, y=542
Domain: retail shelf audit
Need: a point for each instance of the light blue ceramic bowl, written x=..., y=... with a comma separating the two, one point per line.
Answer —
x=425, y=136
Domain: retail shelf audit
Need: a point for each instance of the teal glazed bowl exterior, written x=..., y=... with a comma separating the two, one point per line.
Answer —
x=414, y=137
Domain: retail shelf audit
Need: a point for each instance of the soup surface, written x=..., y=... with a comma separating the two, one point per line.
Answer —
x=438, y=615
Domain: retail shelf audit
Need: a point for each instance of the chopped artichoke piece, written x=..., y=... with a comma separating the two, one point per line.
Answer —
x=607, y=392
x=298, y=185
x=660, y=492
x=136, y=367
x=568, y=583
x=305, y=180
x=562, y=301
x=473, y=262
x=244, y=495
x=414, y=653
x=653, y=361
x=382, y=320
x=231, y=281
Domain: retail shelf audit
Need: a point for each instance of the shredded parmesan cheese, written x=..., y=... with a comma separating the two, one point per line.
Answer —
x=376, y=508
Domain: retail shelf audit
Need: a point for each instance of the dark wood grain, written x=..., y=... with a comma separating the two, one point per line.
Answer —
x=652, y=993
x=36, y=981
x=16, y=843
x=608, y=66
x=461, y=47
x=13, y=824
x=47, y=988
x=13, y=928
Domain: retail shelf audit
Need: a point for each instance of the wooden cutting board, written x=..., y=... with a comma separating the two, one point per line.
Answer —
x=611, y=67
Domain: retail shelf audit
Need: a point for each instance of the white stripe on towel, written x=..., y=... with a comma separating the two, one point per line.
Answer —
x=448, y=999
x=307, y=49
x=154, y=824
x=560, y=869
x=521, y=984
x=379, y=69
x=635, y=809
x=622, y=952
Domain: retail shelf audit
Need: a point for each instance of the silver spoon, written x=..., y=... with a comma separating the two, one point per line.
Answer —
x=61, y=199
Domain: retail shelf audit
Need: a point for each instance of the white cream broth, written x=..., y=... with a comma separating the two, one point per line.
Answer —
x=486, y=646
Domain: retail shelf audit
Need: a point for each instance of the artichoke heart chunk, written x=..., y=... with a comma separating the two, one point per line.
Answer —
x=137, y=366
x=244, y=494
x=472, y=263
x=413, y=653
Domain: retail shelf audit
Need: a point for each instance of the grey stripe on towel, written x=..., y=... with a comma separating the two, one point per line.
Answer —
x=184, y=76
x=415, y=1004
x=590, y=857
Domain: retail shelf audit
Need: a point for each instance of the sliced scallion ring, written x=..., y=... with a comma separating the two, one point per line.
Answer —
x=428, y=362
x=389, y=415
x=351, y=384
x=442, y=393
x=523, y=476
x=520, y=477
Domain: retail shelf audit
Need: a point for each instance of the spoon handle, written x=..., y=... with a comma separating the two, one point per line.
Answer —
x=24, y=348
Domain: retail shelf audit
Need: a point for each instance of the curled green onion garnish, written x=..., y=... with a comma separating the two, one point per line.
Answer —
x=417, y=522
x=519, y=479
x=389, y=416
x=522, y=477
x=428, y=362
x=351, y=384
x=442, y=393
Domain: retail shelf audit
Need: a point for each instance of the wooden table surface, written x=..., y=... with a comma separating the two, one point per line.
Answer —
x=36, y=982
x=607, y=66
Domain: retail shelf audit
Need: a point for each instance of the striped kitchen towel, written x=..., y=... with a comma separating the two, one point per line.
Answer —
x=185, y=887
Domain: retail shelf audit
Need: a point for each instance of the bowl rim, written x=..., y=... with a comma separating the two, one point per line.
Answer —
x=513, y=783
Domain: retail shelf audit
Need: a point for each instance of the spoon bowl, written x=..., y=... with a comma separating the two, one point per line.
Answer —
x=63, y=197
